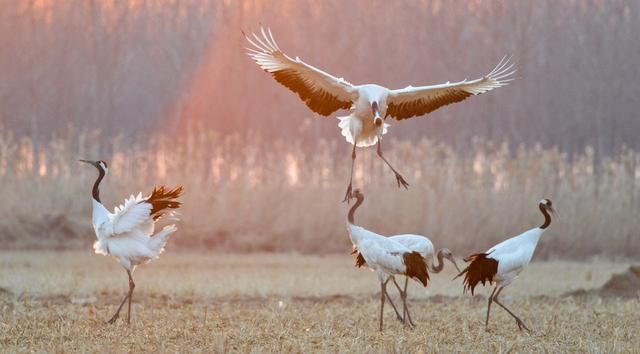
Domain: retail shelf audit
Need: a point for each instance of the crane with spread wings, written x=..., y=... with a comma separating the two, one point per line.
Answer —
x=371, y=104
x=128, y=233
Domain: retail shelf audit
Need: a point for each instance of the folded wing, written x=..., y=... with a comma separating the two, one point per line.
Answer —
x=320, y=91
x=417, y=101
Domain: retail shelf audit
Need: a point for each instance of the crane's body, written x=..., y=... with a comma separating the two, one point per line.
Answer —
x=502, y=263
x=359, y=127
x=371, y=104
x=132, y=246
x=513, y=255
x=128, y=233
x=422, y=245
x=383, y=255
x=386, y=258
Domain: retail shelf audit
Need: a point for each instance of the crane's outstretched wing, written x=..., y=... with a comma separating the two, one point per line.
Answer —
x=134, y=213
x=416, y=101
x=141, y=213
x=320, y=91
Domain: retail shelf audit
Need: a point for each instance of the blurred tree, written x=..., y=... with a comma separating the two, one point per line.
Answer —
x=129, y=66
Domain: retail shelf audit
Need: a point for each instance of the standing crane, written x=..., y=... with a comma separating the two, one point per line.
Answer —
x=128, y=232
x=385, y=257
x=503, y=262
x=424, y=246
x=371, y=104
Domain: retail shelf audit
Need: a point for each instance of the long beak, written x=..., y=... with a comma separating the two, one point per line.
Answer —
x=453, y=260
x=89, y=162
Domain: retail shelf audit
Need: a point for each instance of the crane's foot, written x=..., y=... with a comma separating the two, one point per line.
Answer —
x=113, y=319
x=401, y=182
x=409, y=325
x=521, y=325
x=413, y=325
x=348, y=195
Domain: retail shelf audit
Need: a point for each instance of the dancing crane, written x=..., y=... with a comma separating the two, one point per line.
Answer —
x=128, y=232
x=422, y=245
x=503, y=262
x=385, y=257
x=371, y=104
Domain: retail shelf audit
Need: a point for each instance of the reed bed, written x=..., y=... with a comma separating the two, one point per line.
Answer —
x=245, y=193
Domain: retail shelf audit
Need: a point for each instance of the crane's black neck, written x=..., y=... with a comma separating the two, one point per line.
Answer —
x=96, y=185
x=354, y=207
x=438, y=268
x=547, y=217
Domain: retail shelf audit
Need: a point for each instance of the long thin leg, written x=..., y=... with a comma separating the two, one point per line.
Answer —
x=406, y=282
x=132, y=286
x=404, y=304
x=127, y=297
x=395, y=309
x=388, y=297
x=401, y=182
x=382, y=292
x=115, y=315
x=486, y=323
x=347, y=196
x=403, y=295
x=519, y=322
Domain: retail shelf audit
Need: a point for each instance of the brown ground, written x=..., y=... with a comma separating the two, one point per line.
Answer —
x=58, y=301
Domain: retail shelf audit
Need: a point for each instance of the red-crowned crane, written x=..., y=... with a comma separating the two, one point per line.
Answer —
x=424, y=246
x=128, y=232
x=385, y=257
x=503, y=262
x=371, y=104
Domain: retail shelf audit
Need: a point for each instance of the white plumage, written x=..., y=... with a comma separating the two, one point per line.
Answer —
x=385, y=257
x=371, y=104
x=128, y=232
x=503, y=262
x=424, y=246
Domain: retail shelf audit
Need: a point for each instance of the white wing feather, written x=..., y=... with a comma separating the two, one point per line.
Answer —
x=417, y=243
x=416, y=101
x=386, y=255
x=515, y=253
x=322, y=92
x=134, y=213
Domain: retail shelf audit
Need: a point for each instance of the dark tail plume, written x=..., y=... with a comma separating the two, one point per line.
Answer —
x=416, y=267
x=481, y=269
x=162, y=199
x=360, y=261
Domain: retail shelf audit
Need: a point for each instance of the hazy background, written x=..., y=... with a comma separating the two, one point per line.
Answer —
x=164, y=91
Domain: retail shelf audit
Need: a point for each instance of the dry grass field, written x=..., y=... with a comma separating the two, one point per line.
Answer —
x=201, y=302
x=276, y=197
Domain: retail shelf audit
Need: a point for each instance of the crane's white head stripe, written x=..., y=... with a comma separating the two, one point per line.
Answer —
x=104, y=167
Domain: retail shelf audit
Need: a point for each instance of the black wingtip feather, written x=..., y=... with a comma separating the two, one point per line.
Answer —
x=162, y=199
x=481, y=269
